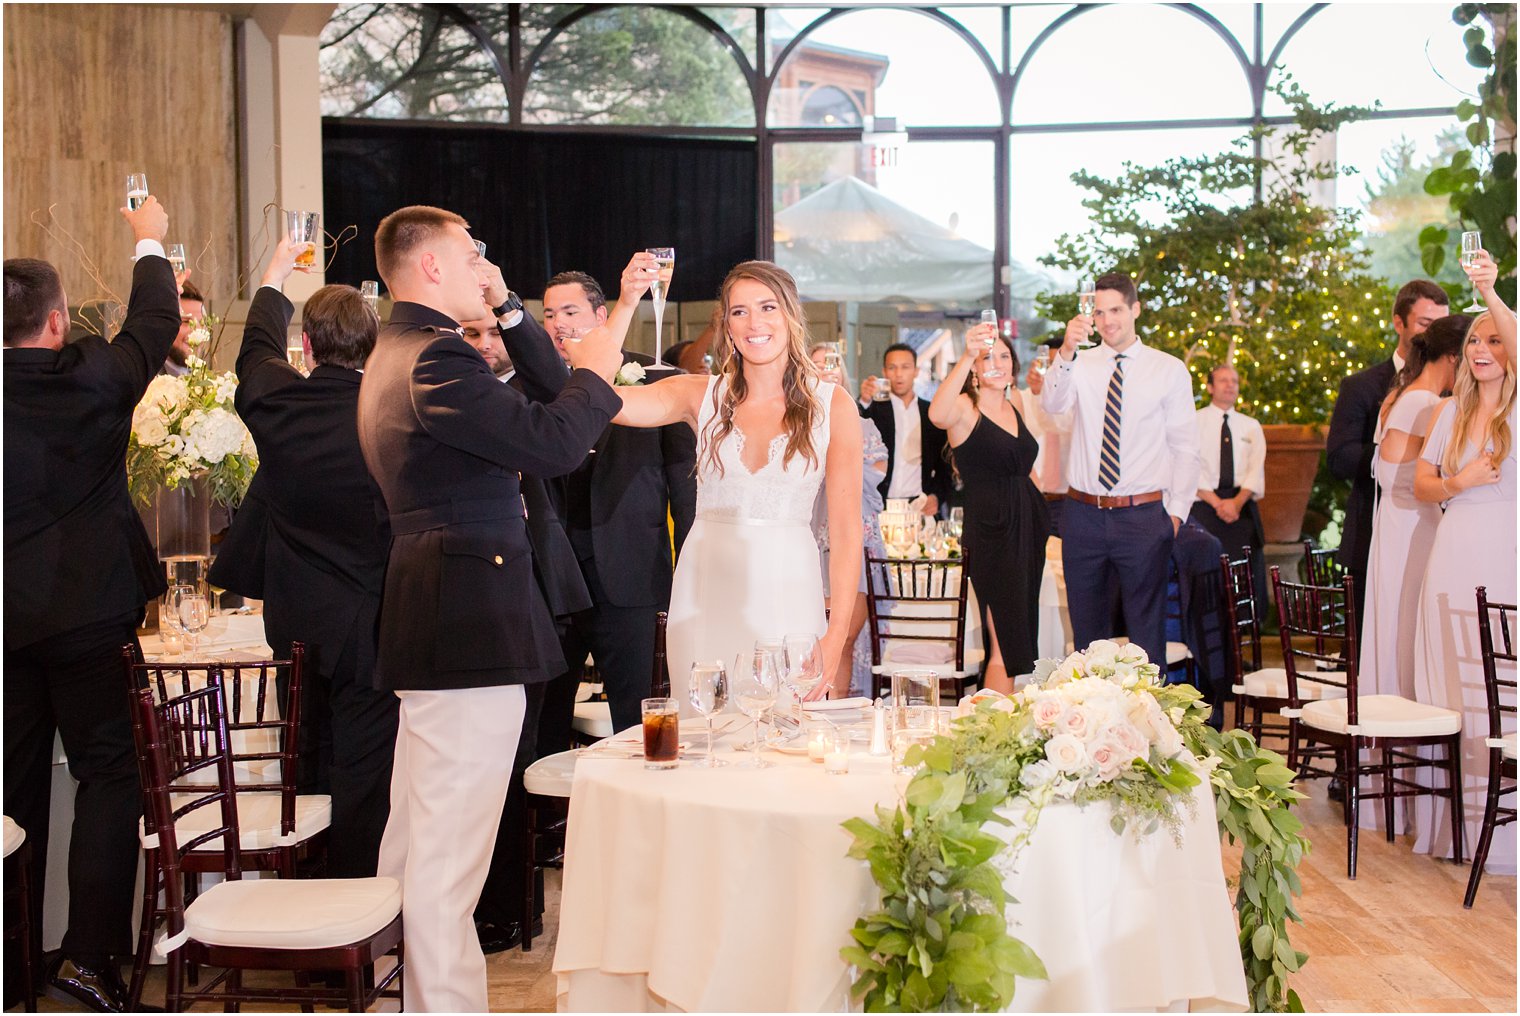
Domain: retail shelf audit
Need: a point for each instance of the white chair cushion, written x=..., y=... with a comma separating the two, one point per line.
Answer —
x=258, y=820
x=1272, y=682
x=594, y=719
x=1505, y=744
x=281, y=913
x=1384, y=716
x=1176, y=652
x=15, y=836
x=552, y=775
x=926, y=656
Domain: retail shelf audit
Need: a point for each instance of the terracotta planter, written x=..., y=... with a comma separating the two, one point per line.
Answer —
x=1293, y=452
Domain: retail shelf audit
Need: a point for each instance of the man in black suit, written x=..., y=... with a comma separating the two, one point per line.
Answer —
x=311, y=541
x=1353, y=423
x=463, y=625
x=915, y=447
x=78, y=568
x=616, y=506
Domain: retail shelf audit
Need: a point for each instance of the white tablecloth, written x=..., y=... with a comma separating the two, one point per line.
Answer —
x=729, y=890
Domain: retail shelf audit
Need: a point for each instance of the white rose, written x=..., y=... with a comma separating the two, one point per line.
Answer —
x=630, y=374
x=150, y=430
x=1131, y=739
x=1037, y=774
x=1102, y=653
x=1168, y=741
x=166, y=393
x=1129, y=653
x=1078, y=722
x=1066, y=753
x=1111, y=759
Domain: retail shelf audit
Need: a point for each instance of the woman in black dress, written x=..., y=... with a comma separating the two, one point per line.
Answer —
x=1006, y=526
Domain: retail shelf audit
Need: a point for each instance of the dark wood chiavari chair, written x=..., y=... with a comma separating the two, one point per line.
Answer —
x=1501, y=745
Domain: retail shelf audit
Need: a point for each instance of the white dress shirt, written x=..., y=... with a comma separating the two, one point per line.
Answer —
x=1246, y=438
x=1158, y=437
x=908, y=455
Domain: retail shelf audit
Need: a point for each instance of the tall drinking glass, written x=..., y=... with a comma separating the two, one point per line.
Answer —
x=659, y=291
x=1087, y=303
x=756, y=682
x=370, y=290
x=176, y=255
x=804, y=669
x=305, y=229
x=989, y=317
x=137, y=190
x=709, y=694
x=1472, y=246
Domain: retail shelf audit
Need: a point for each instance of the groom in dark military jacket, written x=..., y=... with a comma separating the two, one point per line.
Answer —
x=311, y=540
x=463, y=624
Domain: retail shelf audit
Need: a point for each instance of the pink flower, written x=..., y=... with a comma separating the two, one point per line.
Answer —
x=1111, y=758
x=1078, y=722
x=1046, y=711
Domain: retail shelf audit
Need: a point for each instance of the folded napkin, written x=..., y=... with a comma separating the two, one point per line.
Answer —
x=833, y=705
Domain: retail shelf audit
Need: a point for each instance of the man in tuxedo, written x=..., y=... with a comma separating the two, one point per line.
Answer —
x=915, y=447
x=463, y=625
x=1353, y=423
x=1232, y=451
x=78, y=569
x=616, y=506
x=311, y=541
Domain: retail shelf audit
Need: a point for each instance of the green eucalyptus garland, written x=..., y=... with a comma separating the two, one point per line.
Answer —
x=939, y=940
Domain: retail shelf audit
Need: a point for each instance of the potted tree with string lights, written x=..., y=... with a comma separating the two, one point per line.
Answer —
x=1237, y=263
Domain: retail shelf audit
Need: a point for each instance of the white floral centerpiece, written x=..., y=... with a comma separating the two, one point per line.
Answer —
x=186, y=428
x=1096, y=726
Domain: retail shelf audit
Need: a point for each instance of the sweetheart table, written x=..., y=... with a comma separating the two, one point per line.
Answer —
x=730, y=890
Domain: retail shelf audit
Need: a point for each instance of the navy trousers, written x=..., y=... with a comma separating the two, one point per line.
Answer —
x=1128, y=549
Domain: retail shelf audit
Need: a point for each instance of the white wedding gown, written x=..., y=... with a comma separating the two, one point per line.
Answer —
x=749, y=568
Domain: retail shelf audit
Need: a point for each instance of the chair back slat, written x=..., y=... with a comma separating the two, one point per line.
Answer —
x=1242, y=626
x=1322, y=617
x=1321, y=567
x=1500, y=691
x=917, y=600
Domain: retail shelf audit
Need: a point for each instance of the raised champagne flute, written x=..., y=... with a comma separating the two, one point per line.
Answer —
x=1087, y=303
x=1472, y=246
x=989, y=317
x=755, y=687
x=369, y=289
x=137, y=190
x=176, y=255
x=709, y=694
x=832, y=359
x=659, y=291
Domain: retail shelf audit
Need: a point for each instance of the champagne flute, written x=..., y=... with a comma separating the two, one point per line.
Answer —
x=176, y=256
x=709, y=694
x=804, y=669
x=137, y=190
x=1472, y=245
x=989, y=317
x=369, y=289
x=1087, y=303
x=480, y=247
x=755, y=684
x=832, y=360
x=216, y=598
x=659, y=291
x=194, y=613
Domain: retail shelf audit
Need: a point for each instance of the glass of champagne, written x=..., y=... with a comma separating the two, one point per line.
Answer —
x=832, y=359
x=194, y=613
x=659, y=291
x=755, y=687
x=304, y=228
x=1087, y=303
x=1472, y=245
x=804, y=669
x=709, y=694
x=370, y=290
x=295, y=352
x=176, y=256
x=137, y=190
x=989, y=317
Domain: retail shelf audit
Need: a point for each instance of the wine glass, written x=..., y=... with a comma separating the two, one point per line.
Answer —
x=176, y=255
x=804, y=668
x=137, y=190
x=989, y=317
x=709, y=694
x=755, y=686
x=955, y=524
x=1087, y=302
x=194, y=613
x=659, y=290
x=1472, y=244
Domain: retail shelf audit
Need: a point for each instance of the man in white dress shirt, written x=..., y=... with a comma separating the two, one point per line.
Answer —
x=1132, y=469
x=1229, y=485
x=916, y=465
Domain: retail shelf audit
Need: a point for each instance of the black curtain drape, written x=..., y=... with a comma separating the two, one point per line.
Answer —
x=544, y=202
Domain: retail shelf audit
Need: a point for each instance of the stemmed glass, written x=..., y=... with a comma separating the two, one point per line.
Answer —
x=804, y=669
x=955, y=524
x=989, y=317
x=756, y=683
x=137, y=190
x=1472, y=246
x=193, y=611
x=659, y=290
x=709, y=694
x=1087, y=302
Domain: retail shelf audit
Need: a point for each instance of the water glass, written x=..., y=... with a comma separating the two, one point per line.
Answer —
x=305, y=229
x=755, y=686
x=137, y=190
x=915, y=711
x=193, y=611
x=804, y=667
x=662, y=732
x=709, y=694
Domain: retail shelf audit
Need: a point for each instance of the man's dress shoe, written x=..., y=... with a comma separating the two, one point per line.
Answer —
x=102, y=990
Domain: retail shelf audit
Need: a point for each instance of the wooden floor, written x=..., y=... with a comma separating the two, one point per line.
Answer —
x=1395, y=940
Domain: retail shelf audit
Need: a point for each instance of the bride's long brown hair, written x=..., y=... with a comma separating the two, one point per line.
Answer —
x=797, y=383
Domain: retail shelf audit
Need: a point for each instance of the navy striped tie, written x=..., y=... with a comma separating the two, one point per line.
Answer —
x=1108, y=469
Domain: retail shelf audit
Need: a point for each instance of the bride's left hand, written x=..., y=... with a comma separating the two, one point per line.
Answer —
x=829, y=648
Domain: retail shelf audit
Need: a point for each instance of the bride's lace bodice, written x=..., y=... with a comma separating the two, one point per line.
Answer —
x=771, y=494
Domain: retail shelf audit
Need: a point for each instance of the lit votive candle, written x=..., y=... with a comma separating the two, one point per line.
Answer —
x=837, y=761
x=171, y=641
x=818, y=746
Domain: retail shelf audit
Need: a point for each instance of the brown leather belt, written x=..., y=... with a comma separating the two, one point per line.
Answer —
x=1107, y=501
x=1054, y=497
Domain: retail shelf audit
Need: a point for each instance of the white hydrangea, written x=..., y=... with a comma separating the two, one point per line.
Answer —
x=166, y=393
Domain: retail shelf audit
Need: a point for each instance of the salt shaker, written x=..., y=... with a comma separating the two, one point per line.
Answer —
x=879, y=729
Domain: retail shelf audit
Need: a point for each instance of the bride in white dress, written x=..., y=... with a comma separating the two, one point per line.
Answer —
x=769, y=433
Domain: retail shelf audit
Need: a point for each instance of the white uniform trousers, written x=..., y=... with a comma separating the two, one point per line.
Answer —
x=454, y=752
